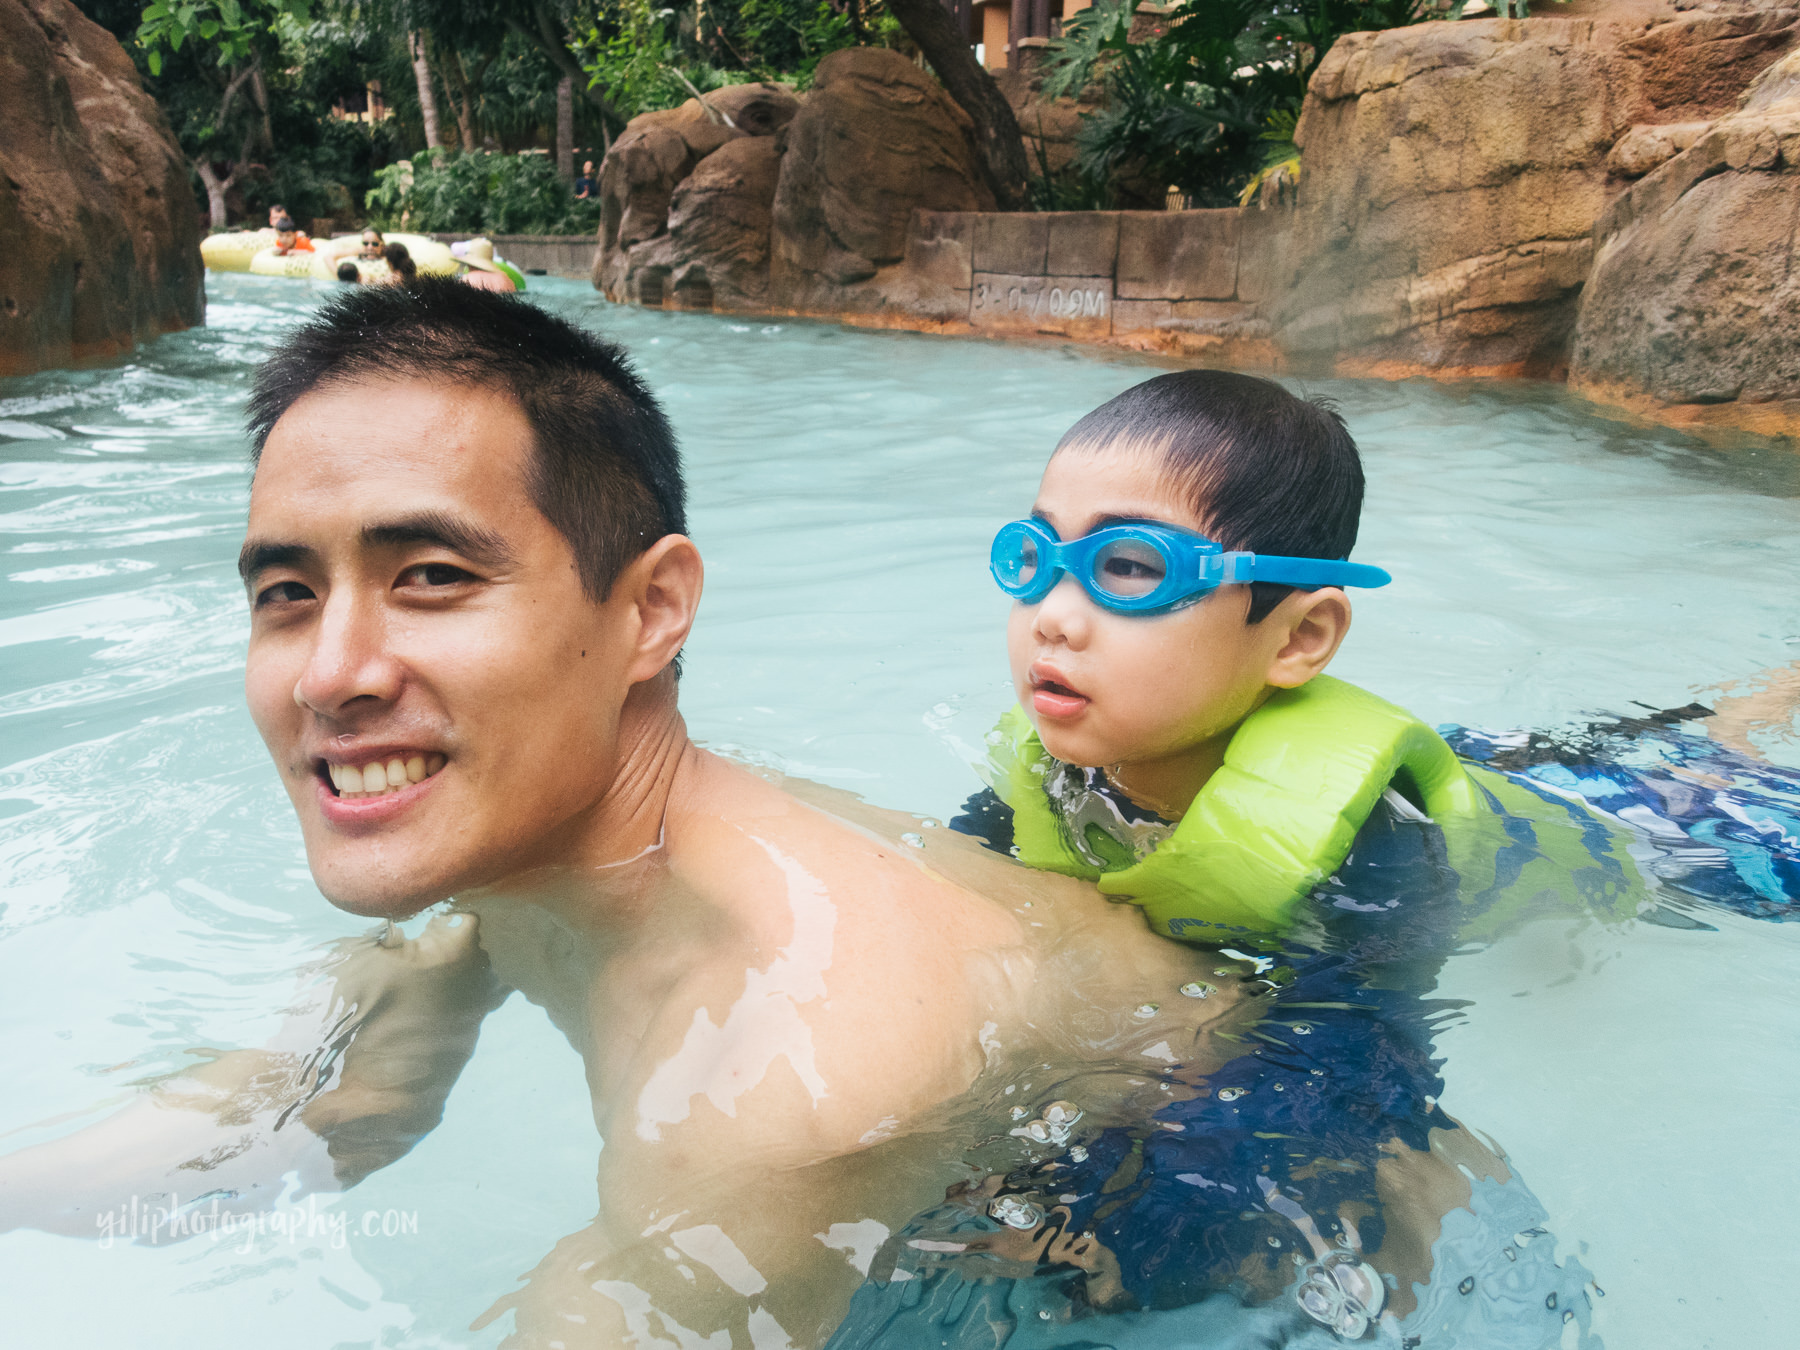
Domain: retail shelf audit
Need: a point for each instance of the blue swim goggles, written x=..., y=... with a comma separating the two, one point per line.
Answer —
x=1144, y=568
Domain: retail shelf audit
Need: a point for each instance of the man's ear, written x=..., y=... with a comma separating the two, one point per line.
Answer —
x=663, y=585
x=1312, y=625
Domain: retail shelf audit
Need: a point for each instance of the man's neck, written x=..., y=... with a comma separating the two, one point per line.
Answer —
x=590, y=874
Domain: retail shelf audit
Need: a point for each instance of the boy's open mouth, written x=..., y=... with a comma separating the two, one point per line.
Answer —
x=1051, y=697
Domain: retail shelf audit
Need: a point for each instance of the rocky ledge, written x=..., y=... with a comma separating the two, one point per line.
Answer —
x=99, y=235
x=1603, y=199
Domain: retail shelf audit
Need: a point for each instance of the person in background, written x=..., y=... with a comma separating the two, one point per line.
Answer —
x=289, y=238
x=347, y=271
x=484, y=273
x=405, y=270
x=372, y=245
x=584, y=185
x=277, y=213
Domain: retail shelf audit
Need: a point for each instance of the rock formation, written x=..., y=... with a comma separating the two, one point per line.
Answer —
x=1692, y=313
x=693, y=215
x=1467, y=190
x=99, y=234
x=1453, y=173
x=877, y=139
x=656, y=153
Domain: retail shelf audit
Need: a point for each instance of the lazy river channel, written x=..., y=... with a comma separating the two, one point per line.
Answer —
x=1548, y=564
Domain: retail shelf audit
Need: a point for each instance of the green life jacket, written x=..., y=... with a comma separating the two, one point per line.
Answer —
x=1301, y=776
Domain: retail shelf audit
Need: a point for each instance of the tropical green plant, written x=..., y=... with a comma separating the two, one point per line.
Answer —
x=1281, y=159
x=1208, y=104
x=479, y=191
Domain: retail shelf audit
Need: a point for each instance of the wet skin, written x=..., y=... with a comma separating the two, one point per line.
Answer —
x=794, y=1025
x=769, y=996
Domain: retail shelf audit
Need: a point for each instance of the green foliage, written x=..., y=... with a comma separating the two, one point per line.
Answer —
x=1192, y=106
x=231, y=27
x=644, y=55
x=1281, y=158
x=632, y=53
x=786, y=39
x=476, y=190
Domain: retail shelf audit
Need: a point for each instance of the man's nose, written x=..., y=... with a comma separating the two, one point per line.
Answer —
x=350, y=666
x=1065, y=616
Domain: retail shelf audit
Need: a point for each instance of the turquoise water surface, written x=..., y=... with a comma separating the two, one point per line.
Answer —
x=845, y=484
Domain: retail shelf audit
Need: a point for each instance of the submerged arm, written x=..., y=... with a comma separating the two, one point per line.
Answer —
x=357, y=1076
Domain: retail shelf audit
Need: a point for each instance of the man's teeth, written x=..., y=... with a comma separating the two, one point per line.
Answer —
x=377, y=778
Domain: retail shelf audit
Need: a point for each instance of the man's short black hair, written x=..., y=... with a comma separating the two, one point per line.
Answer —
x=605, y=471
x=285, y=225
x=1267, y=472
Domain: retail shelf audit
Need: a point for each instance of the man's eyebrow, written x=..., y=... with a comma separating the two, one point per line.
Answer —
x=481, y=547
x=258, y=554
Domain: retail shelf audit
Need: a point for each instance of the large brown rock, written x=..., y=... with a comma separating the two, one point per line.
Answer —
x=658, y=150
x=1692, y=313
x=716, y=253
x=877, y=139
x=1453, y=173
x=99, y=233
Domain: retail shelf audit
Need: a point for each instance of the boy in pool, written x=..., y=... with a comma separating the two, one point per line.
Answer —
x=290, y=238
x=1180, y=587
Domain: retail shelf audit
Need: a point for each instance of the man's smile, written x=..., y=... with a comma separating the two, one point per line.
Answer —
x=377, y=773
x=372, y=786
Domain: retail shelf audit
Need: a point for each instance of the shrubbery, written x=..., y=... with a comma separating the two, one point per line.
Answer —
x=479, y=192
x=1209, y=103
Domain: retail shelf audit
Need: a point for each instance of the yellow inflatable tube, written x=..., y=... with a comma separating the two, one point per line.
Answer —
x=254, y=251
x=232, y=252
x=431, y=258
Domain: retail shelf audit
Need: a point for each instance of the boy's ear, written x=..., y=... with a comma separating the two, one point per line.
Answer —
x=1310, y=625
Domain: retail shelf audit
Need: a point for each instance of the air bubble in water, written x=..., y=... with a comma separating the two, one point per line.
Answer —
x=1302, y=1028
x=916, y=840
x=1467, y=1285
x=1062, y=1113
x=1078, y=1154
x=1144, y=1011
x=1195, y=989
x=1550, y=1300
x=1016, y=1213
x=1018, y=1113
x=1231, y=1094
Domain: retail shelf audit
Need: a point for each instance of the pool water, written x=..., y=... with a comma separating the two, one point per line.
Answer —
x=1548, y=564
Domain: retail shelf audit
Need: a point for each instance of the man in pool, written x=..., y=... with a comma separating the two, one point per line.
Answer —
x=469, y=581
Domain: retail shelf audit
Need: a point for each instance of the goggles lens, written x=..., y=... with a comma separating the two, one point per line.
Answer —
x=1129, y=569
x=1016, y=559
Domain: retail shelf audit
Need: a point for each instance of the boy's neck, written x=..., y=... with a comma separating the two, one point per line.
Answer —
x=1168, y=784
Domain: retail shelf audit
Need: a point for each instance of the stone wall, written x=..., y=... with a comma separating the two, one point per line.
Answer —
x=99, y=233
x=1149, y=279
